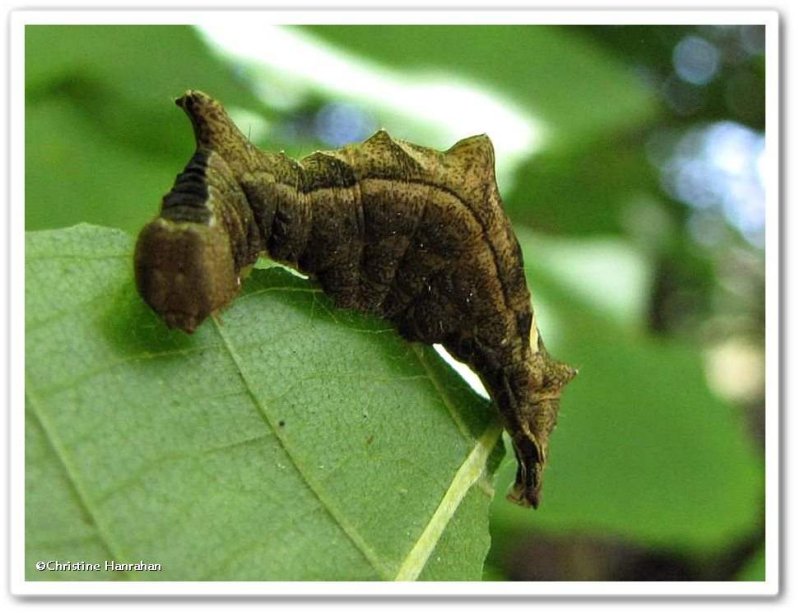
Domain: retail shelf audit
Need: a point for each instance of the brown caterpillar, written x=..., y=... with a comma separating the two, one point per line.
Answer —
x=412, y=234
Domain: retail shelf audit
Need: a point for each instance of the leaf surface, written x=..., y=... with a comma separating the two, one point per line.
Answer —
x=285, y=440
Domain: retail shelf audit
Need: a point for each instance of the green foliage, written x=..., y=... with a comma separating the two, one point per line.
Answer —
x=639, y=420
x=755, y=569
x=526, y=63
x=102, y=140
x=287, y=442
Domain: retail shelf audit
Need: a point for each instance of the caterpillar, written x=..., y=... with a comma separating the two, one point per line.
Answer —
x=412, y=234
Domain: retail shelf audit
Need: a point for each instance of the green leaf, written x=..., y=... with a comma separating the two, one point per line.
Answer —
x=150, y=64
x=75, y=172
x=286, y=440
x=600, y=188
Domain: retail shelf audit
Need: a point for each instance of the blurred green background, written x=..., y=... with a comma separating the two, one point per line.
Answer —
x=630, y=160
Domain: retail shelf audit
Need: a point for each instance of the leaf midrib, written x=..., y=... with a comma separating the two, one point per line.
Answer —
x=466, y=477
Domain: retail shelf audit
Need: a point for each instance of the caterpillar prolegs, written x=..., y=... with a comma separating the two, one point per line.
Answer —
x=414, y=235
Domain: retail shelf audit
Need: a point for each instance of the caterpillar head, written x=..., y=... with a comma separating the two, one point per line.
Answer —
x=185, y=271
x=531, y=434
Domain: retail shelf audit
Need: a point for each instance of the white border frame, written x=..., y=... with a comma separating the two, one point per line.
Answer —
x=20, y=586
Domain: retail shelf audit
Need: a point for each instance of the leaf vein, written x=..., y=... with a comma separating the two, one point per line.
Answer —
x=349, y=531
x=467, y=475
x=79, y=491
